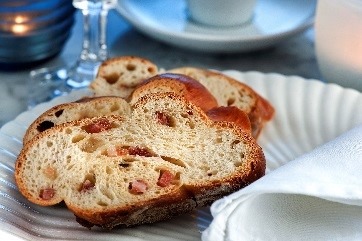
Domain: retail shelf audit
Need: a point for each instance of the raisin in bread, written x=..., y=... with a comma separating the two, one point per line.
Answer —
x=119, y=76
x=85, y=107
x=230, y=92
x=164, y=159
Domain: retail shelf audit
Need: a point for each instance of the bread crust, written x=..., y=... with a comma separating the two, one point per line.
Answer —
x=180, y=84
x=179, y=199
x=258, y=109
x=230, y=114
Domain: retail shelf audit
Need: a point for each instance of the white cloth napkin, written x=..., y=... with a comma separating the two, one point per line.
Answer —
x=318, y=196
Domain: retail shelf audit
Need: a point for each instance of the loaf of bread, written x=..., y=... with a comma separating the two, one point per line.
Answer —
x=230, y=92
x=163, y=159
x=119, y=76
x=85, y=107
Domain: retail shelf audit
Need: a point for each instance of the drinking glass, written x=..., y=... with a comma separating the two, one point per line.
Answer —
x=47, y=83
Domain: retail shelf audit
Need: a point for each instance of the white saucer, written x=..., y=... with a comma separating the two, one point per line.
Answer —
x=167, y=21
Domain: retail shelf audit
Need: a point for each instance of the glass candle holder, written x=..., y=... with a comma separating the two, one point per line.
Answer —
x=31, y=31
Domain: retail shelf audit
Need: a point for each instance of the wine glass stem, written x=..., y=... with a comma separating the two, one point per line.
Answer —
x=94, y=46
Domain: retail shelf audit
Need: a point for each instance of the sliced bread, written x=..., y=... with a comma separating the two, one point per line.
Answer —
x=85, y=107
x=194, y=92
x=191, y=89
x=230, y=92
x=119, y=76
x=164, y=159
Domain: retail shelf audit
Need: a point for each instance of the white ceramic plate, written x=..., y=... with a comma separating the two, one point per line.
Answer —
x=308, y=113
x=167, y=21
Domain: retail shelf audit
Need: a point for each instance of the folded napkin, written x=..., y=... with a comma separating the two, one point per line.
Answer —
x=317, y=196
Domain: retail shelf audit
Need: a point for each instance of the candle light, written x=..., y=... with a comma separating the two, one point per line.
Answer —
x=21, y=19
x=19, y=28
x=22, y=24
x=16, y=24
x=33, y=31
x=338, y=29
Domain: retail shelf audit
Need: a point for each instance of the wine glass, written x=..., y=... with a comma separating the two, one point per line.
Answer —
x=47, y=83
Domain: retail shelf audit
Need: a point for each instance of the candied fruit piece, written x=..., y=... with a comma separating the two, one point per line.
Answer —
x=47, y=193
x=137, y=187
x=98, y=126
x=165, y=178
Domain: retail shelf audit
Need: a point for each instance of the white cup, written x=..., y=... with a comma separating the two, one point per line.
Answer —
x=221, y=13
x=338, y=31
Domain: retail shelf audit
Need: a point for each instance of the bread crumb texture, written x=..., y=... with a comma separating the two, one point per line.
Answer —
x=110, y=169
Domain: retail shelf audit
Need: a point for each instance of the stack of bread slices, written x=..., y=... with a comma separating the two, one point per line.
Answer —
x=149, y=145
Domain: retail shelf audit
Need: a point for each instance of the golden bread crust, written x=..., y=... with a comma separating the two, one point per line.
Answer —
x=120, y=75
x=183, y=85
x=230, y=92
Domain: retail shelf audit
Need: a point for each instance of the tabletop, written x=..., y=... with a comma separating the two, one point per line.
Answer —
x=294, y=56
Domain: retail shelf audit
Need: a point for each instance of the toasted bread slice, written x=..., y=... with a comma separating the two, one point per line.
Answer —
x=165, y=158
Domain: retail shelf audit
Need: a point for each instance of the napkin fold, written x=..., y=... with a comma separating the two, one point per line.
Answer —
x=317, y=196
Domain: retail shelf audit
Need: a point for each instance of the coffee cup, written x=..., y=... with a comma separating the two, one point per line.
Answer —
x=221, y=13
